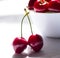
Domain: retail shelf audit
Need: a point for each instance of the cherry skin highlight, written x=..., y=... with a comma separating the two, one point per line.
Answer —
x=36, y=42
x=19, y=44
x=56, y=0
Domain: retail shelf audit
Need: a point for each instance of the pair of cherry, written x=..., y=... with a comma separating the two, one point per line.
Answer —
x=35, y=41
x=44, y=5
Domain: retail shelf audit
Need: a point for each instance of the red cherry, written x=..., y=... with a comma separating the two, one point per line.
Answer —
x=40, y=7
x=19, y=44
x=54, y=6
x=36, y=42
x=31, y=4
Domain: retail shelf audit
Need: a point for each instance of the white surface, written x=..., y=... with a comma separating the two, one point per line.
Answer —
x=47, y=23
x=10, y=28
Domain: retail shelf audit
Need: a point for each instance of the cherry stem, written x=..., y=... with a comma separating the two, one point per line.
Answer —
x=29, y=21
x=22, y=21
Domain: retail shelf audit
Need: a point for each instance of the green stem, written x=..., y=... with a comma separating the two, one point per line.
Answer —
x=22, y=21
x=29, y=21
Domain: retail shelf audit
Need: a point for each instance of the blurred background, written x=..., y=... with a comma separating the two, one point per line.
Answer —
x=10, y=7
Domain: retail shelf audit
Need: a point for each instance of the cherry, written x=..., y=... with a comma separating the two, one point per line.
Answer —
x=31, y=4
x=54, y=6
x=36, y=42
x=19, y=44
x=41, y=6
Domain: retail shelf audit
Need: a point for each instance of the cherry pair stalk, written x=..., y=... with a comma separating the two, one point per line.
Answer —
x=34, y=41
x=28, y=20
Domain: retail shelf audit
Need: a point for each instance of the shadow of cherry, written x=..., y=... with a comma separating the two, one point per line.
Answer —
x=19, y=56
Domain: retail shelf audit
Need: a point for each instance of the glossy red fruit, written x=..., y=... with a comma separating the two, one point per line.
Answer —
x=54, y=6
x=31, y=4
x=36, y=42
x=19, y=44
x=40, y=7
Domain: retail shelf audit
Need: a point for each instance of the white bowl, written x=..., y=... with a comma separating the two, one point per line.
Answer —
x=47, y=23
